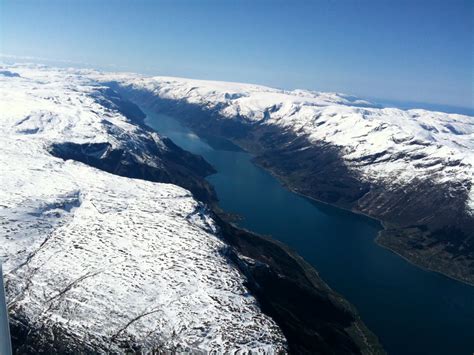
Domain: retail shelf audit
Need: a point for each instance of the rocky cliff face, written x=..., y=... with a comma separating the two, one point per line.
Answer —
x=411, y=169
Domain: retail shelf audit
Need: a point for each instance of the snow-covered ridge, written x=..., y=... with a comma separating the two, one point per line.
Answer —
x=387, y=145
x=109, y=260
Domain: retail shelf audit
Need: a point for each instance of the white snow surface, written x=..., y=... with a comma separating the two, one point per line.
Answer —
x=409, y=144
x=108, y=258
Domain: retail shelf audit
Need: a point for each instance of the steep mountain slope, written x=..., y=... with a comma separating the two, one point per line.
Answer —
x=101, y=258
x=411, y=169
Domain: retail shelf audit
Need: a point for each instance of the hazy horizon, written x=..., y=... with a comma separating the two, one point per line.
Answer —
x=385, y=102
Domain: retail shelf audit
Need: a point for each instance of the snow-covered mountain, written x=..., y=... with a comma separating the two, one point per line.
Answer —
x=411, y=169
x=98, y=262
x=403, y=144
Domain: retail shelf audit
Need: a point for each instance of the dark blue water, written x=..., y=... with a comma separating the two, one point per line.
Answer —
x=412, y=311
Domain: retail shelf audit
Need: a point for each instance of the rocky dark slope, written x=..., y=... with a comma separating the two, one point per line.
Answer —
x=172, y=165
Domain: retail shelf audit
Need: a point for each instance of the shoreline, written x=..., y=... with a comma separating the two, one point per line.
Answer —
x=420, y=266
x=376, y=240
x=357, y=329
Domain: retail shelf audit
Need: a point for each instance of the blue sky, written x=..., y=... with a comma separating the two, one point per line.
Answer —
x=417, y=51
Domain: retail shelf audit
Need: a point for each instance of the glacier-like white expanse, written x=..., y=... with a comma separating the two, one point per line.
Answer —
x=106, y=259
x=401, y=145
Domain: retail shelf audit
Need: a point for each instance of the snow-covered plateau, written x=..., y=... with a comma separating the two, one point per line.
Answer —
x=104, y=261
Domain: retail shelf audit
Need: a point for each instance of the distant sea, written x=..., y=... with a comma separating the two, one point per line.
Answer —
x=405, y=105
